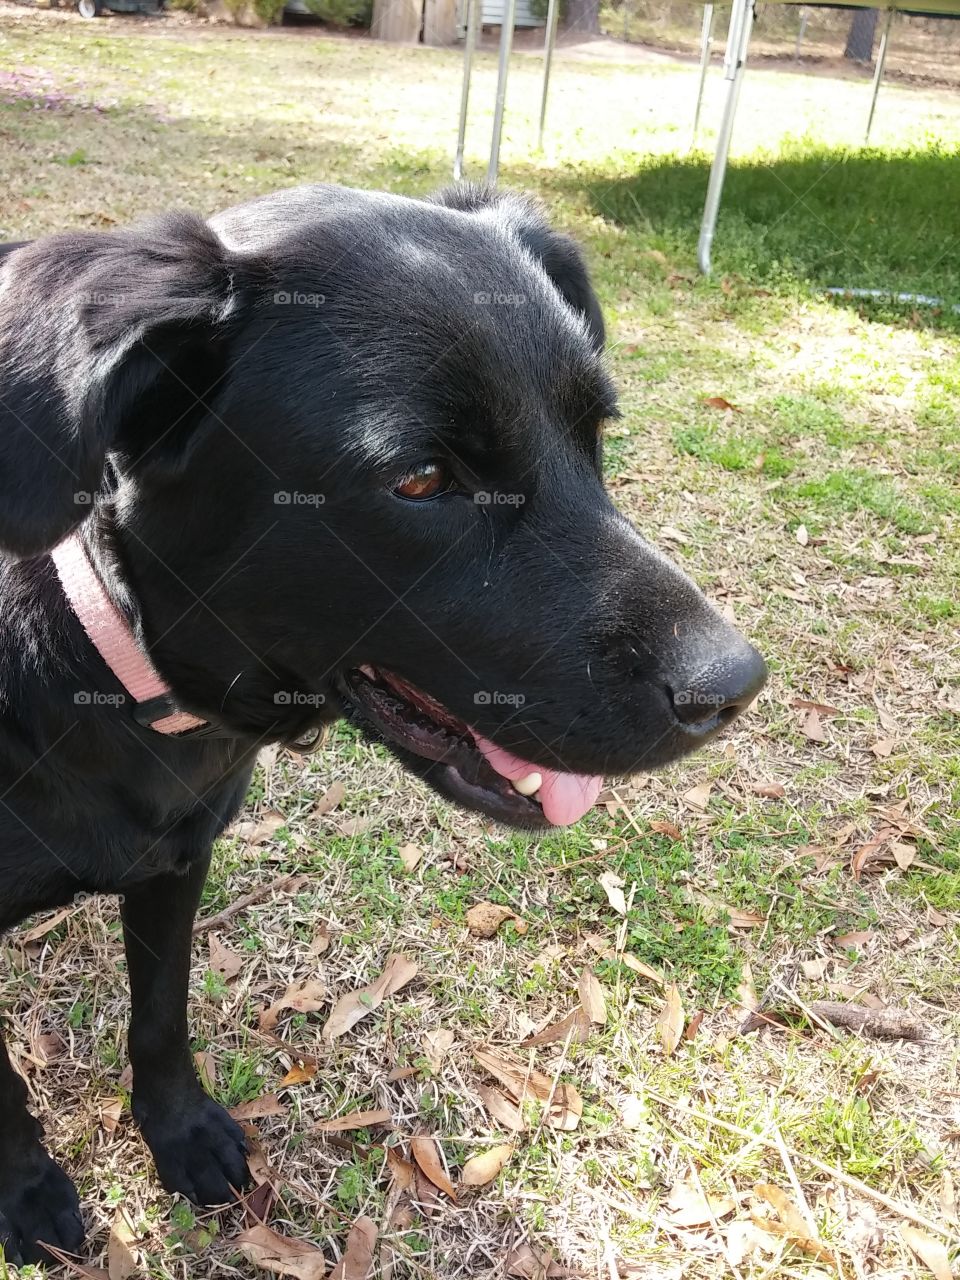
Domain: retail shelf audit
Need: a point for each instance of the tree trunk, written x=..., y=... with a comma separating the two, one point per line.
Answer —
x=863, y=32
x=583, y=17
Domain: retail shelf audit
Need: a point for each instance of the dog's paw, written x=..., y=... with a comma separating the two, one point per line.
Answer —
x=38, y=1206
x=199, y=1150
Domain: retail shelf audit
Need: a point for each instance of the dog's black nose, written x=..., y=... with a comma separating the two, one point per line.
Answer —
x=715, y=693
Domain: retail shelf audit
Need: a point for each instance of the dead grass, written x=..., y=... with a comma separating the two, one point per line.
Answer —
x=844, y=428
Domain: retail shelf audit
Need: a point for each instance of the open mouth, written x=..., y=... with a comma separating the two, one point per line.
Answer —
x=460, y=762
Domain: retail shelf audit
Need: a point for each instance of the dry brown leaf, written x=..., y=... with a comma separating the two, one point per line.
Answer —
x=936, y=918
x=575, y=1027
x=206, y=1069
x=400, y=1073
x=485, y=918
x=693, y=1026
x=690, y=1207
x=110, y=1112
x=527, y=1263
x=948, y=1196
x=789, y=1214
x=268, y=1104
x=865, y=854
x=321, y=941
x=46, y=926
x=821, y=708
x=436, y=1045
x=932, y=1253
x=481, y=1169
x=664, y=828
x=357, y=1259
x=299, y=1073
x=792, y=1224
x=305, y=997
x=332, y=797
x=812, y=728
x=284, y=1257
x=260, y=831
x=222, y=960
x=257, y=1163
x=858, y=938
x=426, y=1155
x=49, y=1045
x=814, y=969
x=349, y=1009
x=903, y=854
x=769, y=790
x=603, y=949
x=122, y=1260
x=523, y=1084
x=883, y=747
x=612, y=886
x=698, y=797
x=746, y=991
x=356, y=824
x=354, y=1120
x=671, y=1019
x=501, y=1108
x=401, y=1170
x=258, y=1204
x=740, y=919
x=410, y=855
x=591, y=997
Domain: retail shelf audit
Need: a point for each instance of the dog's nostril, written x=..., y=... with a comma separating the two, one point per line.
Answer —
x=717, y=694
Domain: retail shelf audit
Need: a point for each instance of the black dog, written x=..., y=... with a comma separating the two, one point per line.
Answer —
x=333, y=453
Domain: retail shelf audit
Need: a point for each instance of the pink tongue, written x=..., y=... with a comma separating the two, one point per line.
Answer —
x=564, y=797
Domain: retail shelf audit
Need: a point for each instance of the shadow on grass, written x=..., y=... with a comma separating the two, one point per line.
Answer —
x=864, y=219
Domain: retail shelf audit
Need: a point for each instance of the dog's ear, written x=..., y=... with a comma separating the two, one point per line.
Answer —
x=106, y=340
x=561, y=257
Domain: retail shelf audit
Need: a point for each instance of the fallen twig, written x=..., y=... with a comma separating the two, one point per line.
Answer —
x=284, y=884
x=882, y=1024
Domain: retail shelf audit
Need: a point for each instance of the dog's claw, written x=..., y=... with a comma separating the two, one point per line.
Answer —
x=199, y=1150
x=38, y=1206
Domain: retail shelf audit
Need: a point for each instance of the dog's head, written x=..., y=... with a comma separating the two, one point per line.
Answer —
x=346, y=449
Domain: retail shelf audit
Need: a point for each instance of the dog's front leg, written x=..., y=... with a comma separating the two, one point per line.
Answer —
x=38, y=1202
x=199, y=1150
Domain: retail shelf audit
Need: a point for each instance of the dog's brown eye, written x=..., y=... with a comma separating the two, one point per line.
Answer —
x=425, y=481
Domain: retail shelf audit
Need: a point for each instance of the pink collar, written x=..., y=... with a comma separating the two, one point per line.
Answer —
x=114, y=640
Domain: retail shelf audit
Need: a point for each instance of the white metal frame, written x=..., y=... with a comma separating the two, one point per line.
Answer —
x=878, y=71
x=503, y=72
x=734, y=64
x=738, y=41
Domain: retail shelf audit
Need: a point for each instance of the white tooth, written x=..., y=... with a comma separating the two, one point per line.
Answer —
x=529, y=785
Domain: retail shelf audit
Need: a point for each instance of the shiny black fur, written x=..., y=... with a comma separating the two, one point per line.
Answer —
x=163, y=386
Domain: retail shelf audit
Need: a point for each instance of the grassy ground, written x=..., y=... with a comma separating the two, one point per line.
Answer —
x=801, y=858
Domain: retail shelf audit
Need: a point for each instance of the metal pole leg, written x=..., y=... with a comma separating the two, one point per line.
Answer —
x=549, y=40
x=738, y=38
x=804, y=18
x=469, y=45
x=503, y=69
x=878, y=71
x=706, y=40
